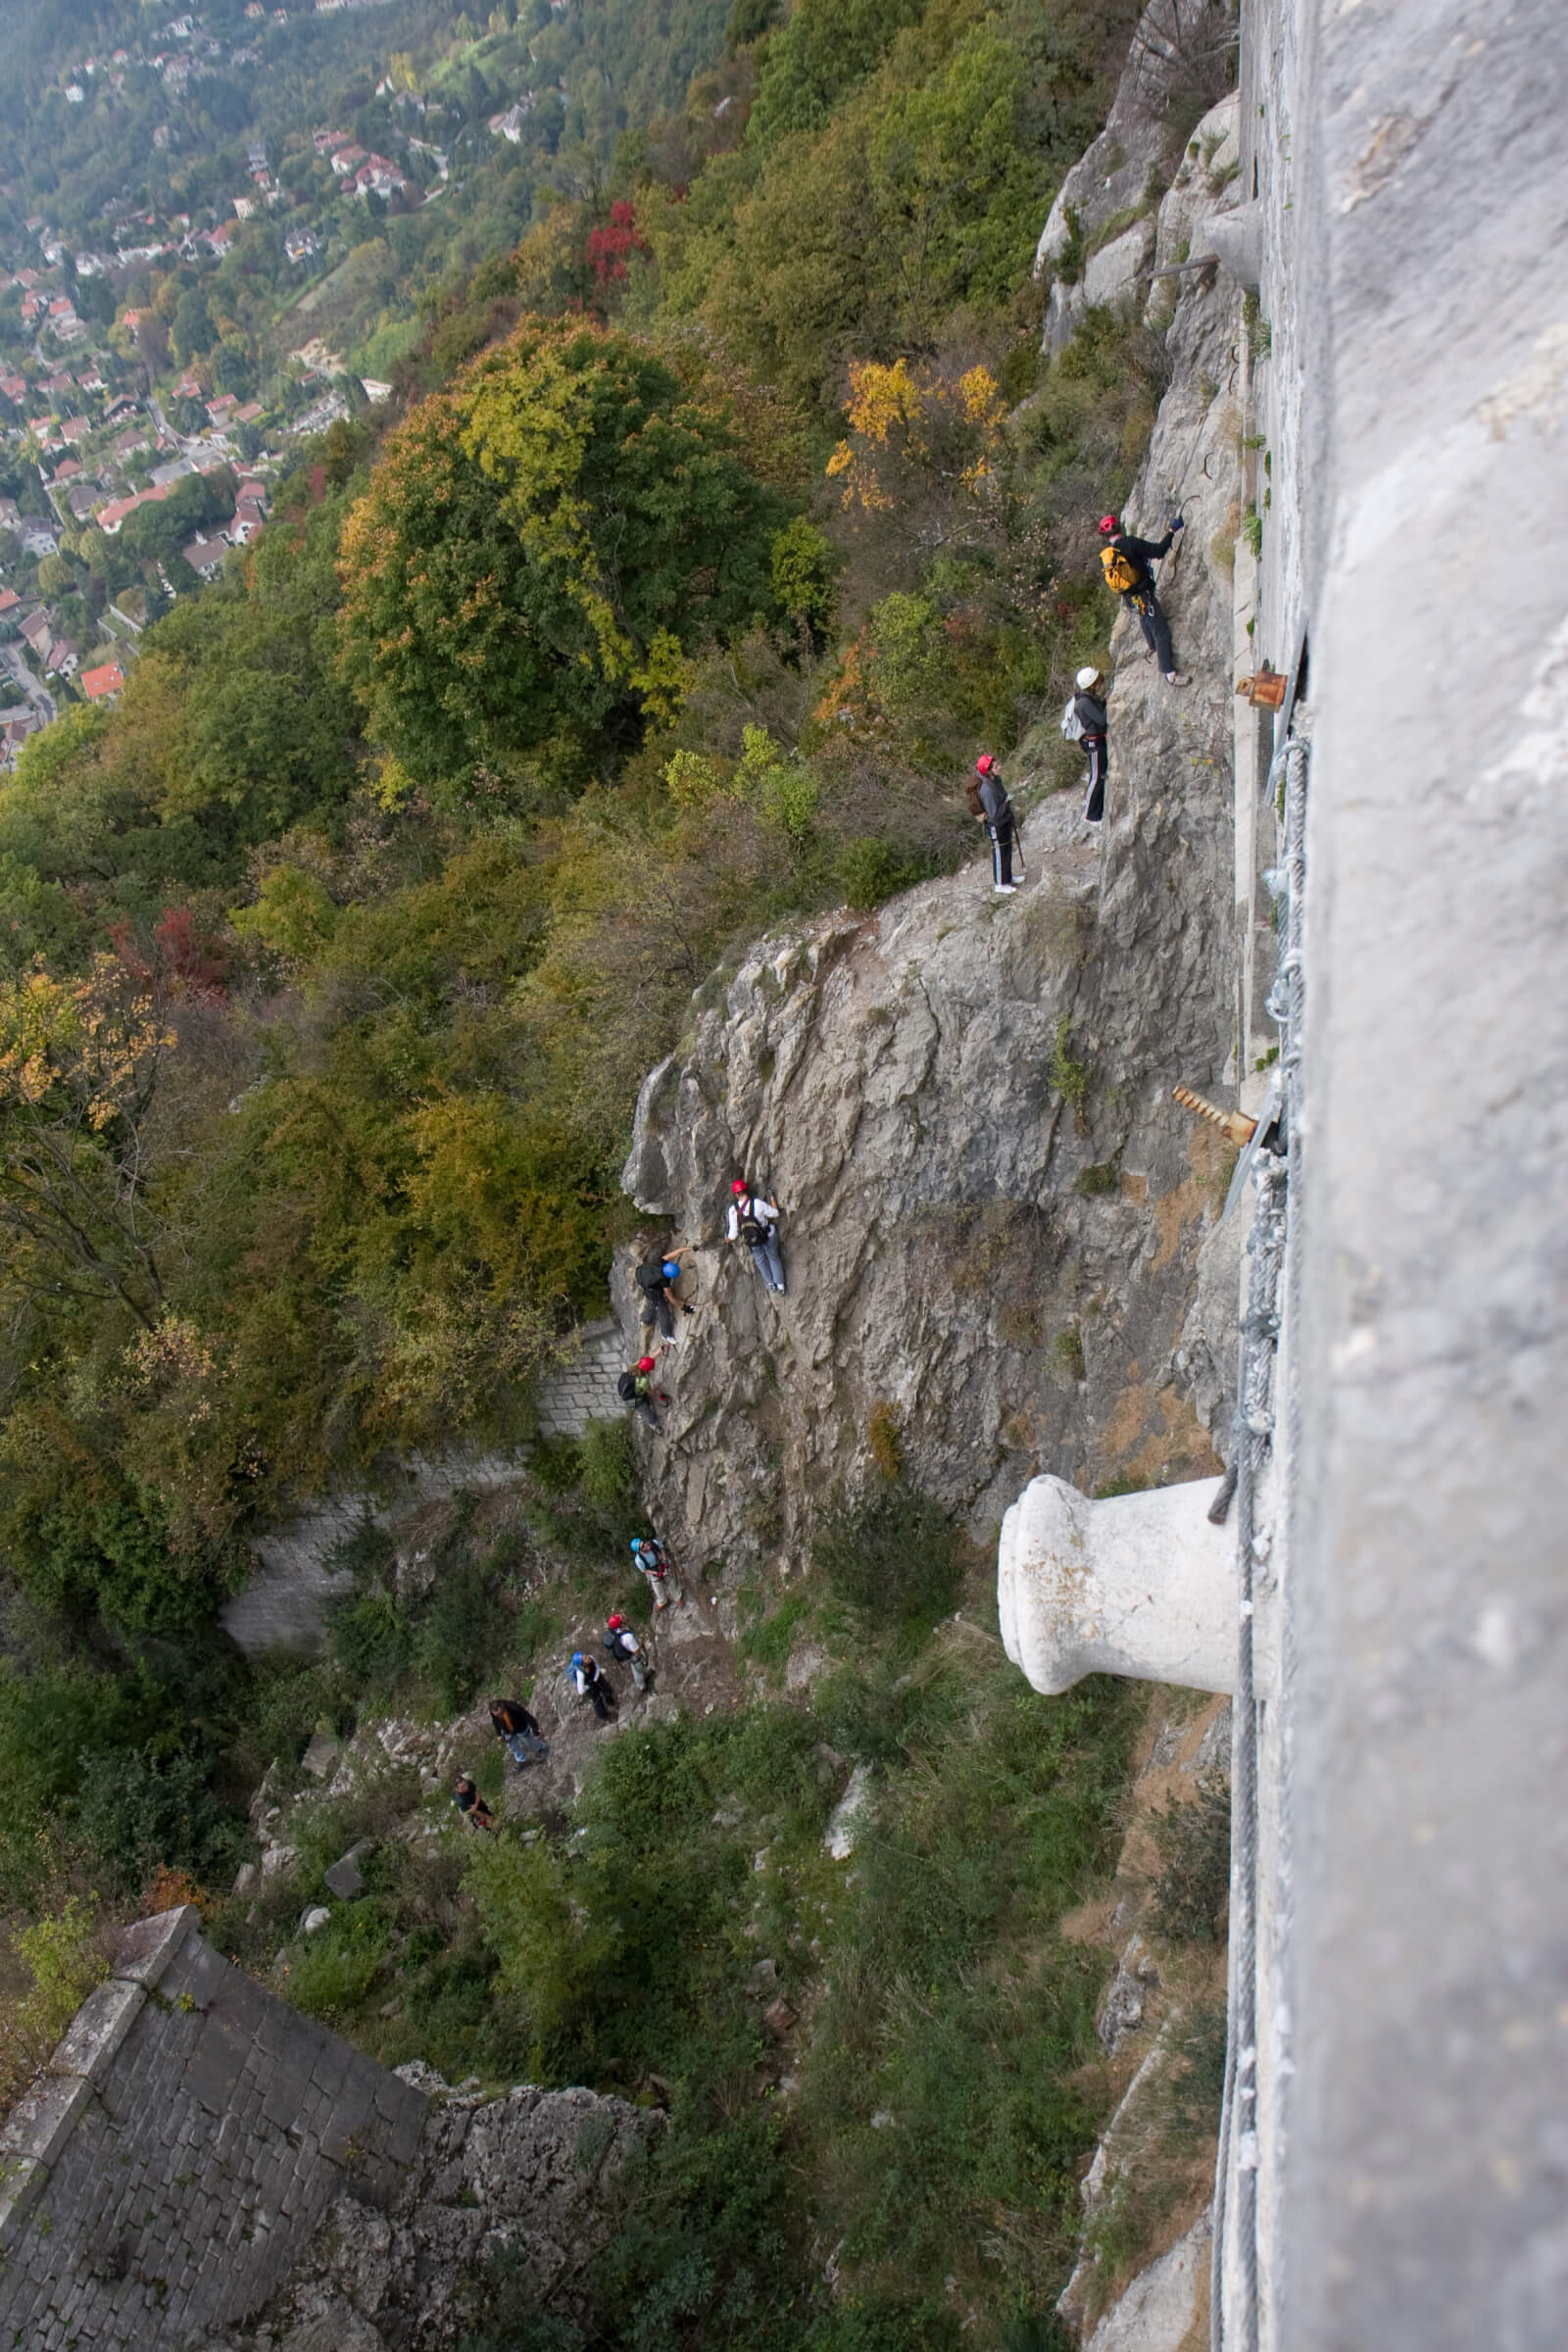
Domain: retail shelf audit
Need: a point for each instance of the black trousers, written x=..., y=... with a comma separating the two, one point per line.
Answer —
x=656, y=1309
x=1001, y=849
x=1155, y=627
x=1098, y=751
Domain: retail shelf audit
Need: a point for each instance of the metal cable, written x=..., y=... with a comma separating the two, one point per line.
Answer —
x=1272, y=1175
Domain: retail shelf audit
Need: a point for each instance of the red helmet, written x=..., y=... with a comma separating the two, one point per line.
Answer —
x=615, y=1623
x=645, y=1363
x=739, y=1185
x=984, y=764
x=1108, y=524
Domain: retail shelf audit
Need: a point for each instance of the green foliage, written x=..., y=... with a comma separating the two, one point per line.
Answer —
x=1068, y=1350
x=539, y=547
x=1070, y=1077
x=141, y=1809
x=803, y=568
x=892, y=1556
x=1098, y=1183
x=60, y=1960
x=871, y=870
x=1194, y=1840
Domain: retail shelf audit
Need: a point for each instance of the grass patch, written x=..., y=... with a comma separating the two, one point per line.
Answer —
x=1194, y=1842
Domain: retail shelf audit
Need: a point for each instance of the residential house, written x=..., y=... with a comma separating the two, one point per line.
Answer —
x=14, y=388
x=69, y=470
x=63, y=659
x=74, y=430
x=10, y=610
x=300, y=245
x=9, y=515
x=246, y=520
x=219, y=407
x=206, y=556
x=139, y=437
x=14, y=733
x=104, y=683
x=40, y=539
x=347, y=161
x=114, y=515
x=81, y=498
x=39, y=629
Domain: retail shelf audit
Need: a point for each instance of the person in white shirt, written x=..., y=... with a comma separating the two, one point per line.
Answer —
x=754, y=1220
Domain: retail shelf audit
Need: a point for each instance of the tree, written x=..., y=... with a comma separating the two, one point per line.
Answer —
x=539, y=548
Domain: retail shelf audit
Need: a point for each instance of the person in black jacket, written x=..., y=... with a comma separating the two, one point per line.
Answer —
x=1089, y=708
x=512, y=1722
x=996, y=814
x=656, y=1277
x=1126, y=561
x=472, y=1806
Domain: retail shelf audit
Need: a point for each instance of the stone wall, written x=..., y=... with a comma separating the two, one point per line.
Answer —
x=168, y=2172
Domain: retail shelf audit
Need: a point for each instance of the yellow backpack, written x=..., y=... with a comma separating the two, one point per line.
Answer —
x=1121, y=573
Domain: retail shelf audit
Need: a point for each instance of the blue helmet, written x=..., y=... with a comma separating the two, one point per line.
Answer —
x=636, y=1542
x=576, y=1661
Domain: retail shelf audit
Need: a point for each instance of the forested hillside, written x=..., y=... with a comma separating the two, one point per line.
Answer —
x=722, y=514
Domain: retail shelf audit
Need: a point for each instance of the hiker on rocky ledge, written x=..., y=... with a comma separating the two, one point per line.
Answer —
x=512, y=1722
x=624, y=1646
x=1085, y=722
x=1127, y=563
x=754, y=1220
x=655, y=1564
x=472, y=1806
x=994, y=812
x=656, y=1278
x=589, y=1680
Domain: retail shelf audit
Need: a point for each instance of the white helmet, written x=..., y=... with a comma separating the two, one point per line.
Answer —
x=1085, y=679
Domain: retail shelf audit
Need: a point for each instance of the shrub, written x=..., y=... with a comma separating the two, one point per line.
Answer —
x=894, y=1555
x=141, y=1810
x=1098, y=1183
x=870, y=869
x=1195, y=1844
x=1070, y=1077
x=63, y=1960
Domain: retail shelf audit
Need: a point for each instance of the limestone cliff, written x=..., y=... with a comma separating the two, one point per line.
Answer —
x=1005, y=1268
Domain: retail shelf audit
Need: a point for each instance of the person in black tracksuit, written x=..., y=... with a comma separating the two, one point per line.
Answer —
x=1141, y=554
x=996, y=814
x=1089, y=703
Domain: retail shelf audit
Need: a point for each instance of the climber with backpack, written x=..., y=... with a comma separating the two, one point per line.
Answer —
x=754, y=1220
x=622, y=1644
x=654, y=1563
x=996, y=814
x=589, y=1680
x=1127, y=565
x=1084, y=721
x=636, y=1389
x=656, y=1278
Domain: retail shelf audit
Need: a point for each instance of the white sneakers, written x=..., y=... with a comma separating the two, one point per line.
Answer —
x=1003, y=890
x=1177, y=677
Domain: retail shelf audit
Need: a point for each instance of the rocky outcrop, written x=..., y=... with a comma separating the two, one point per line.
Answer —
x=1107, y=230
x=524, y=2177
x=991, y=1211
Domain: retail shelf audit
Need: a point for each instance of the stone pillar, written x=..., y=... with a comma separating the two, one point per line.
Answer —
x=1139, y=1585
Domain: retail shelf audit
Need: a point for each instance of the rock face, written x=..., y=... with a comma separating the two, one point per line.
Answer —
x=1103, y=236
x=522, y=2176
x=1004, y=1273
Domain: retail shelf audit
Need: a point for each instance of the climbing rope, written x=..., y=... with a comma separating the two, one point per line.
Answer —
x=1273, y=1171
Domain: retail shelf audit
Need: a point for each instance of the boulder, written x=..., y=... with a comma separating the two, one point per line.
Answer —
x=321, y=1758
x=314, y=1919
x=345, y=1879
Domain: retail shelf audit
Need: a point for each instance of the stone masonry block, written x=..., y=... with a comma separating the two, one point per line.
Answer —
x=93, y=2037
x=44, y=2118
x=144, y=1951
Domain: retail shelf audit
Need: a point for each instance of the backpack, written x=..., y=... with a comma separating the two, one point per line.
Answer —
x=1121, y=572
x=971, y=794
x=750, y=1229
x=1072, y=726
x=626, y=1388
x=650, y=1276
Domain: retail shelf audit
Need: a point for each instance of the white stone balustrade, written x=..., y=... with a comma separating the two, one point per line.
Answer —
x=1138, y=1584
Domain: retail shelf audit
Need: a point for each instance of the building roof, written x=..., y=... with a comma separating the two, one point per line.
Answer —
x=96, y=683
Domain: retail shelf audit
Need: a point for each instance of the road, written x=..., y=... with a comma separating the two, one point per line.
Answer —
x=13, y=664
